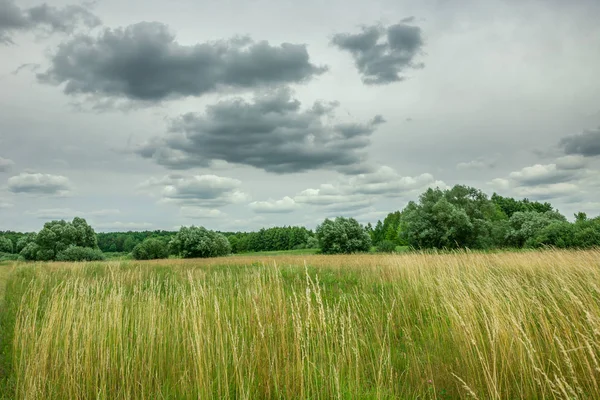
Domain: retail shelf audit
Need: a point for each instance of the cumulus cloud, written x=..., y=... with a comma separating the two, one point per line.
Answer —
x=202, y=213
x=6, y=164
x=43, y=17
x=586, y=143
x=271, y=133
x=285, y=205
x=37, y=183
x=6, y=205
x=566, y=176
x=381, y=54
x=361, y=191
x=145, y=62
x=207, y=191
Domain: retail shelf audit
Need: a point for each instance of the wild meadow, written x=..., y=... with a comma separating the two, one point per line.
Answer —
x=514, y=325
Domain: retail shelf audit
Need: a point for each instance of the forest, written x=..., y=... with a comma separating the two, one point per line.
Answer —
x=460, y=217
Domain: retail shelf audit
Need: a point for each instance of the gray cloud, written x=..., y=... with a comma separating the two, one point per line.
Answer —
x=36, y=183
x=197, y=190
x=6, y=164
x=144, y=62
x=43, y=17
x=381, y=53
x=586, y=143
x=271, y=133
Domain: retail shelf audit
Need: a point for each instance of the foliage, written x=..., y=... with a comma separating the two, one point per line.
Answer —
x=509, y=206
x=527, y=226
x=119, y=242
x=386, y=246
x=6, y=245
x=78, y=253
x=194, y=242
x=56, y=237
x=271, y=239
x=150, y=249
x=343, y=235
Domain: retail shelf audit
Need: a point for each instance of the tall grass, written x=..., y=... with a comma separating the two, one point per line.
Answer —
x=486, y=326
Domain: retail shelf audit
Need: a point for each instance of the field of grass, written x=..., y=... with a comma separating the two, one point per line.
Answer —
x=410, y=326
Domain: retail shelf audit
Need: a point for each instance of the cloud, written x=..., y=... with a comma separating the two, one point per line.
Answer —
x=271, y=133
x=42, y=184
x=144, y=62
x=539, y=174
x=586, y=143
x=565, y=177
x=477, y=164
x=363, y=190
x=68, y=213
x=6, y=164
x=283, y=206
x=47, y=18
x=202, y=213
x=382, y=53
x=207, y=191
x=6, y=205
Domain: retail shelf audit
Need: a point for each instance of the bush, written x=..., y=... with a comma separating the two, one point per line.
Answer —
x=150, y=249
x=312, y=243
x=199, y=242
x=6, y=245
x=343, y=235
x=386, y=246
x=77, y=253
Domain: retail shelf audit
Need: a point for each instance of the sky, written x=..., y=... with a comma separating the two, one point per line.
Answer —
x=236, y=115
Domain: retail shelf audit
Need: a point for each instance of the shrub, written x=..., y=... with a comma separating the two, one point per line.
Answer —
x=6, y=245
x=199, y=242
x=343, y=235
x=150, y=249
x=77, y=253
x=386, y=246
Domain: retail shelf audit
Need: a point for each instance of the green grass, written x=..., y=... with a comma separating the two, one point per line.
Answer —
x=410, y=326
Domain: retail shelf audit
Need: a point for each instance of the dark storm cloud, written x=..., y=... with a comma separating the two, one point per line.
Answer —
x=50, y=19
x=144, y=62
x=381, y=53
x=586, y=143
x=271, y=133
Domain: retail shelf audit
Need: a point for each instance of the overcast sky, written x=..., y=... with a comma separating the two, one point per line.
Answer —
x=238, y=114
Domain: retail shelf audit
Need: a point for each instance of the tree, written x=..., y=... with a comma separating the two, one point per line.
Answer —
x=526, y=226
x=78, y=253
x=55, y=238
x=342, y=235
x=150, y=249
x=6, y=245
x=192, y=242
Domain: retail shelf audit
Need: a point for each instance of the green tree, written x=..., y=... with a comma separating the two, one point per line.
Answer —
x=6, y=245
x=150, y=249
x=192, y=242
x=342, y=235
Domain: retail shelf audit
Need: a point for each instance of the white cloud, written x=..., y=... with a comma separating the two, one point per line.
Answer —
x=201, y=213
x=285, y=205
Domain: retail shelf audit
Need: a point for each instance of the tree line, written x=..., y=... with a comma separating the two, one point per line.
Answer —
x=460, y=217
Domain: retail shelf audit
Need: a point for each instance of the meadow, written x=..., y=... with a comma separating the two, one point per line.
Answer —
x=411, y=326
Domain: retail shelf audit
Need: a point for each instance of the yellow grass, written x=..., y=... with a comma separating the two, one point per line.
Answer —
x=486, y=326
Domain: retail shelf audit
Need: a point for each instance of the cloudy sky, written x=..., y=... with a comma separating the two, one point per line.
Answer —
x=239, y=114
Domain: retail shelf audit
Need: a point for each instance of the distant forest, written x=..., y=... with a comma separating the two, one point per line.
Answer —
x=461, y=217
